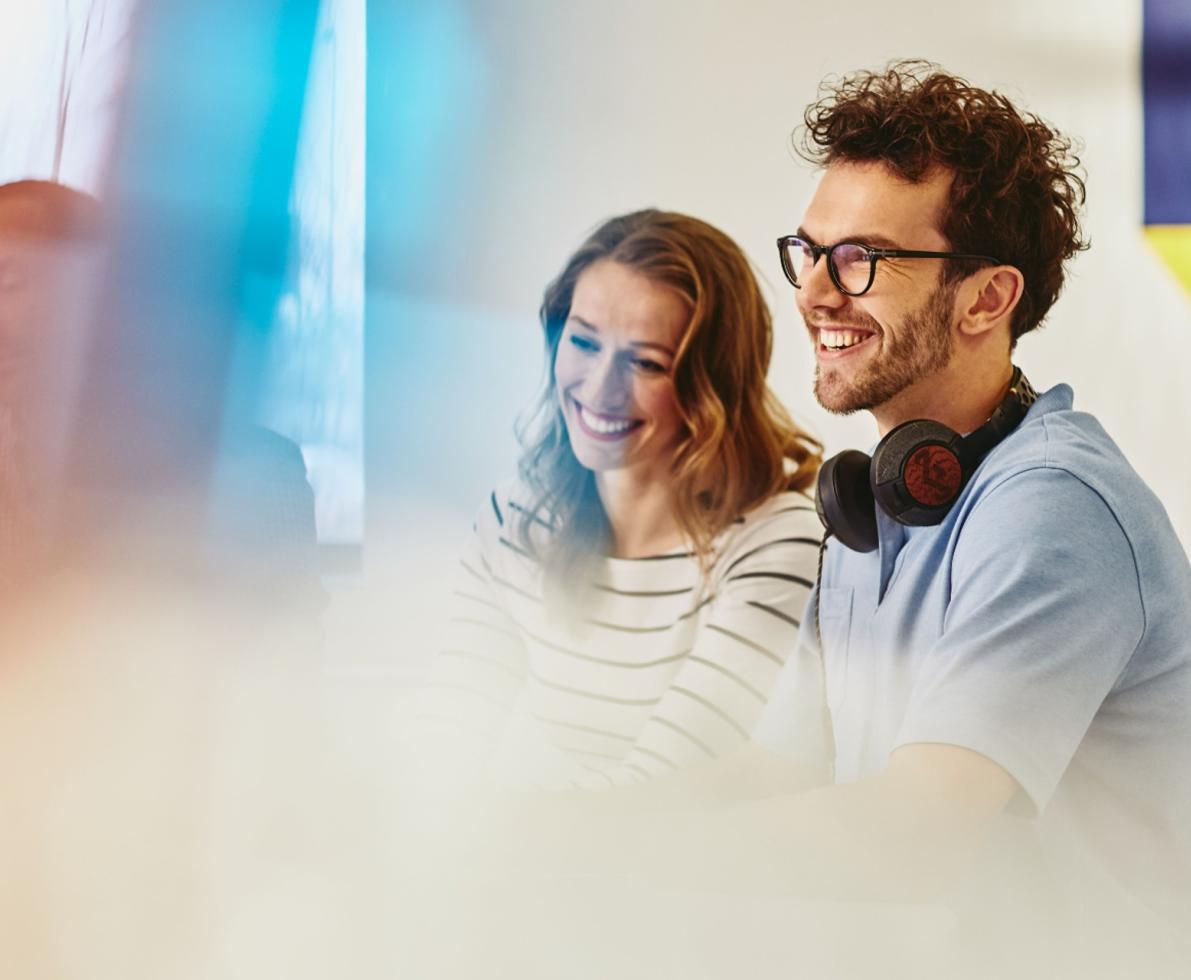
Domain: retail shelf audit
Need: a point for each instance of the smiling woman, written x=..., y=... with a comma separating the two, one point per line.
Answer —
x=629, y=599
x=614, y=382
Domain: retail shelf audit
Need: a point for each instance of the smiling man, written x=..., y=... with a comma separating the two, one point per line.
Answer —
x=1004, y=610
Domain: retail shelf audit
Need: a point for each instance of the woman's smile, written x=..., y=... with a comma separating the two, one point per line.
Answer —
x=600, y=425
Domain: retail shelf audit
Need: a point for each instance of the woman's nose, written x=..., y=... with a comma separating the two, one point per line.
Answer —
x=606, y=387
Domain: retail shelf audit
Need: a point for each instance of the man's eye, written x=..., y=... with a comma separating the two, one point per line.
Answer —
x=851, y=254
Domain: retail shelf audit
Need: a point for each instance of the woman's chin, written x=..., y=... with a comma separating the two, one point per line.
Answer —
x=602, y=459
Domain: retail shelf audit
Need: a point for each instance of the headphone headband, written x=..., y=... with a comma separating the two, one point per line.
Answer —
x=1005, y=418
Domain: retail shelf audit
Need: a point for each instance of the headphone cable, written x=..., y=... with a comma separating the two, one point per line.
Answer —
x=828, y=726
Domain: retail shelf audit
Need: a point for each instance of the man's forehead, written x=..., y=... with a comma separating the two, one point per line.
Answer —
x=47, y=261
x=37, y=217
x=867, y=200
x=33, y=248
x=25, y=229
x=22, y=218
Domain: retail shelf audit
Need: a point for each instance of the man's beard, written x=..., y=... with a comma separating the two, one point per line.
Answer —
x=922, y=345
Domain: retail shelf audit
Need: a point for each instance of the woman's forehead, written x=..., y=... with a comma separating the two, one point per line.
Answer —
x=614, y=298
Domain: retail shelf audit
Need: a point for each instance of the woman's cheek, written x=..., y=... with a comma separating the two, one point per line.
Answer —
x=564, y=368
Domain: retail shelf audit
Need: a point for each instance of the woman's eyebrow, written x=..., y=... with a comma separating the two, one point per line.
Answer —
x=584, y=323
x=638, y=344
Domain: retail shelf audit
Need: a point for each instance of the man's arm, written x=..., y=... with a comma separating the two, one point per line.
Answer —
x=899, y=835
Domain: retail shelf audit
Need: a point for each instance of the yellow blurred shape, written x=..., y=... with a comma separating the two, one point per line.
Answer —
x=1173, y=245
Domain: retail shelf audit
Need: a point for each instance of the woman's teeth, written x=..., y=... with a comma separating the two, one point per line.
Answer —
x=841, y=339
x=603, y=426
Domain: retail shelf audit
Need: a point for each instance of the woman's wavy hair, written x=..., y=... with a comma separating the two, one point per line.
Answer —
x=738, y=447
x=1017, y=186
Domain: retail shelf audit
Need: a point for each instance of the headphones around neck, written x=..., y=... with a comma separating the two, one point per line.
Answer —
x=915, y=474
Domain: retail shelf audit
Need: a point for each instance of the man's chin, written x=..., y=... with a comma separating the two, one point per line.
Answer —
x=839, y=398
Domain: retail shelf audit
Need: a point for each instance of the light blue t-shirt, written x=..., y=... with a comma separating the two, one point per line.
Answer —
x=1045, y=623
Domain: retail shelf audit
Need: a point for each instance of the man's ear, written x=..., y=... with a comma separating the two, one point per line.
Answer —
x=989, y=298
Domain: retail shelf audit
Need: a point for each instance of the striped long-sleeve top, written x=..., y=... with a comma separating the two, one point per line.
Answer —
x=664, y=667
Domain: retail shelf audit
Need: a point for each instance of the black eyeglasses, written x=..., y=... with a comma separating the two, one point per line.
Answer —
x=852, y=266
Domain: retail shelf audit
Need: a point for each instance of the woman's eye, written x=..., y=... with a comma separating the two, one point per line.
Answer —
x=583, y=344
x=649, y=367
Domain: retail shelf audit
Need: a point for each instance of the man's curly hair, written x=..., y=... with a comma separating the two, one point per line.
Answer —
x=1017, y=186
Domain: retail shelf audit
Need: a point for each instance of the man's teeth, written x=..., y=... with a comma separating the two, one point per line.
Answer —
x=840, y=339
x=603, y=426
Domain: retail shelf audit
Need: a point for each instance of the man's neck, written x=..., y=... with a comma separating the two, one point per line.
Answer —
x=961, y=399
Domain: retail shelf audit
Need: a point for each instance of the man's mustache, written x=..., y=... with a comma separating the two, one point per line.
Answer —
x=815, y=322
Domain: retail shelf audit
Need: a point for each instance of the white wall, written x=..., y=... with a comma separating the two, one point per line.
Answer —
x=526, y=122
x=568, y=113
x=62, y=63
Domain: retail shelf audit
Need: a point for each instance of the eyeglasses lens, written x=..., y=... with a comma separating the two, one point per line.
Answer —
x=797, y=258
x=853, y=266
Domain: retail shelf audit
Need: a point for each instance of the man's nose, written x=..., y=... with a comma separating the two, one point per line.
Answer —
x=818, y=290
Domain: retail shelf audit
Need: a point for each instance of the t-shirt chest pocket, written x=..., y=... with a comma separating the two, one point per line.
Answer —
x=835, y=625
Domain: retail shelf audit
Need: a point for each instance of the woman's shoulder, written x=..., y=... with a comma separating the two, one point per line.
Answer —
x=511, y=509
x=790, y=510
x=513, y=502
x=787, y=518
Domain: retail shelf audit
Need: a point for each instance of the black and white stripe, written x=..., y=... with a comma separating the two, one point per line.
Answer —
x=665, y=667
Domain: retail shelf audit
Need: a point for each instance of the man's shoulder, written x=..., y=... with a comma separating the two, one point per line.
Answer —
x=1060, y=476
x=1054, y=438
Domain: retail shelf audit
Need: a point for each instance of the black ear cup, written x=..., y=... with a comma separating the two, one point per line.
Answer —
x=844, y=500
x=917, y=472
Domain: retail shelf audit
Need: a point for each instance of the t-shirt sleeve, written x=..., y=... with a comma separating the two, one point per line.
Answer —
x=1044, y=615
x=758, y=592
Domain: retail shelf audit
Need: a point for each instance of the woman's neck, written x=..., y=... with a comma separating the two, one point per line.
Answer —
x=641, y=514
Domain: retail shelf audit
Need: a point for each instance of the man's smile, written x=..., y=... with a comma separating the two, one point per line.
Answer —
x=841, y=340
